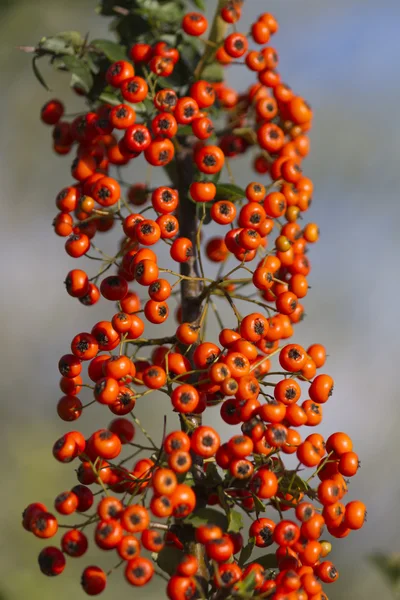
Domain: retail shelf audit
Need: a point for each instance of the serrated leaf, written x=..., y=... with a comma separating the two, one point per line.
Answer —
x=268, y=561
x=200, y=4
x=38, y=74
x=247, y=551
x=213, y=72
x=112, y=50
x=169, y=558
x=229, y=191
x=235, y=521
x=80, y=71
x=207, y=515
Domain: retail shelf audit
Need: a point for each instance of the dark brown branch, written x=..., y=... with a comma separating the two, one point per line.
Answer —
x=191, y=290
x=191, y=301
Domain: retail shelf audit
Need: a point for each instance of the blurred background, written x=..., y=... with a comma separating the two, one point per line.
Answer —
x=343, y=56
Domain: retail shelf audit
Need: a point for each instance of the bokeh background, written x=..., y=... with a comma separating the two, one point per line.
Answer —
x=344, y=57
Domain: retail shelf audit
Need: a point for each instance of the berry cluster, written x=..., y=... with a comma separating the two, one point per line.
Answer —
x=150, y=508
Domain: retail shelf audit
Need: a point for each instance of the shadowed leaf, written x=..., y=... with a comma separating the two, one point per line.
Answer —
x=112, y=50
x=268, y=561
x=246, y=551
x=235, y=521
x=169, y=558
x=80, y=71
x=207, y=515
x=229, y=191
x=200, y=4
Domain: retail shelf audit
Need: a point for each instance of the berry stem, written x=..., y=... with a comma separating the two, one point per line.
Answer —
x=217, y=34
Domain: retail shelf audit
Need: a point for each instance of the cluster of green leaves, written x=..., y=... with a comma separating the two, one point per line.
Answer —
x=230, y=521
x=229, y=518
x=70, y=51
x=147, y=21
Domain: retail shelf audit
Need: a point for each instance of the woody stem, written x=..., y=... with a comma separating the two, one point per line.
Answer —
x=191, y=303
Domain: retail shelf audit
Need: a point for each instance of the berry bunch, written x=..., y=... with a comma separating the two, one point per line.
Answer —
x=155, y=512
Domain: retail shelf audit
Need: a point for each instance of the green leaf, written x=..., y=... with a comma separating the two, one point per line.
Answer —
x=112, y=50
x=294, y=483
x=221, y=494
x=106, y=7
x=212, y=476
x=167, y=11
x=258, y=505
x=81, y=74
x=188, y=479
x=235, y=521
x=74, y=38
x=215, y=177
x=207, y=515
x=207, y=221
x=130, y=28
x=229, y=191
x=247, y=551
x=185, y=130
x=169, y=558
x=184, y=68
x=389, y=566
x=92, y=60
x=58, y=63
x=57, y=45
x=38, y=74
x=247, y=585
x=268, y=561
x=109, y=98
x=200, y=4
x=213, y=72
x=142, y=107
x=299, y=484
